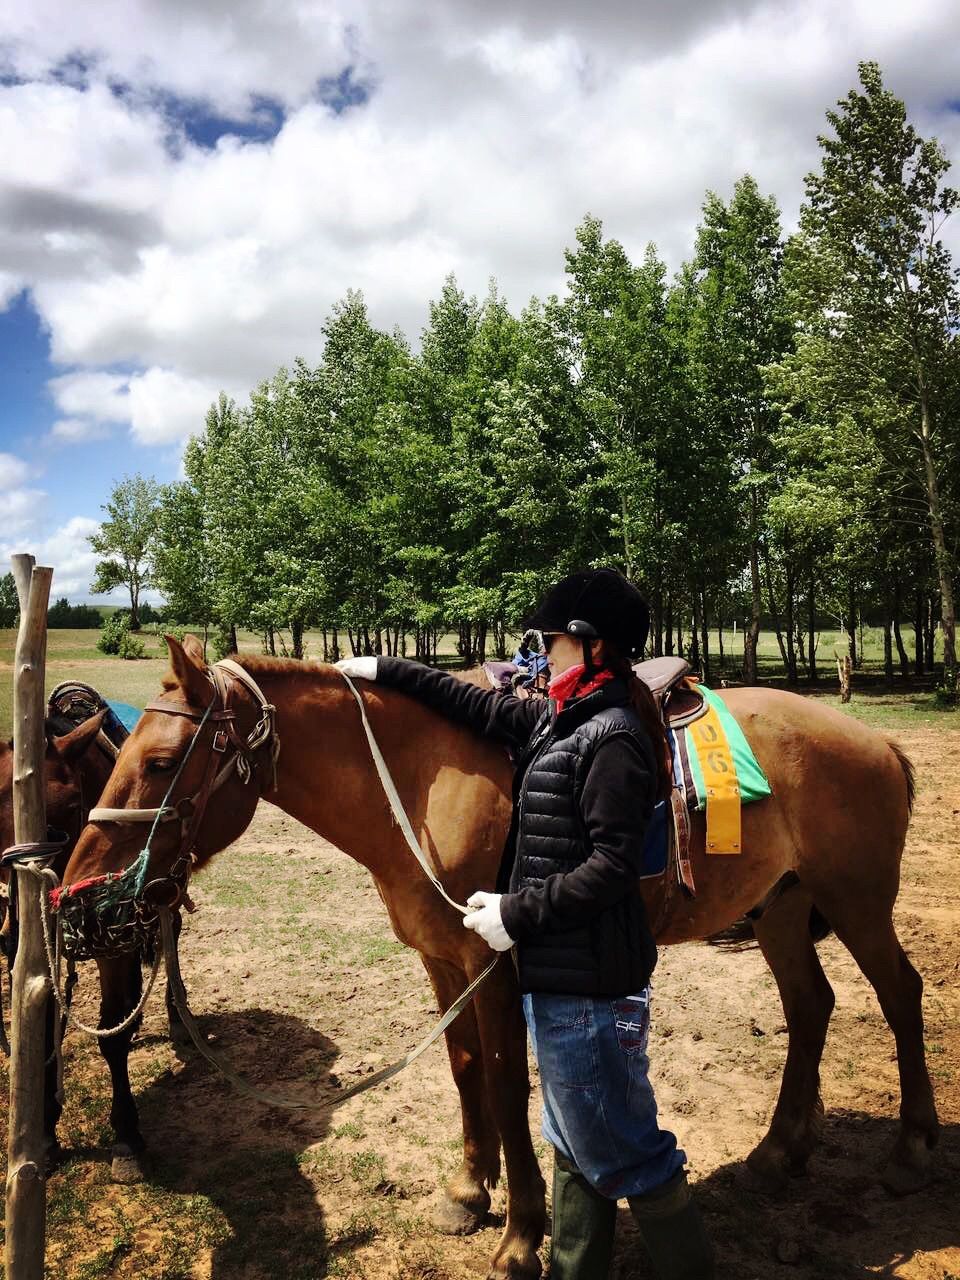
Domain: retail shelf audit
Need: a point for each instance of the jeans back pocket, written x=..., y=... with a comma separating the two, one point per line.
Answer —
x=631, y=1016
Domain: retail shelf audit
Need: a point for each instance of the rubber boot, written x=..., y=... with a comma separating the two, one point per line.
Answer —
x=673, y=1231
x=581, y=1245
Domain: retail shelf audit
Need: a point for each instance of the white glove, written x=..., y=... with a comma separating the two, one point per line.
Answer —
x=484, y=918
x=358, y=668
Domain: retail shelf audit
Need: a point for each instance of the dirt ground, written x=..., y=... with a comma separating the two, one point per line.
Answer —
x=294, y=973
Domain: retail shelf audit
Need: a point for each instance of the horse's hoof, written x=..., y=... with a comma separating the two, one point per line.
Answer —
x=455, y=1219
x=904, y=1179
x=515, y=1269
x=761, y=1176
x=127, y=1167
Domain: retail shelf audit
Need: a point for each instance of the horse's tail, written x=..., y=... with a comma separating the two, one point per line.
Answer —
x=909, y=772
x=740, y=935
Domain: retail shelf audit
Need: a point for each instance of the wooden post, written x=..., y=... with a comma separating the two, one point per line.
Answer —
x=26, y=1175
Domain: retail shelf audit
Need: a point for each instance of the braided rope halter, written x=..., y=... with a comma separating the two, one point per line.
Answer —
x=117, y=913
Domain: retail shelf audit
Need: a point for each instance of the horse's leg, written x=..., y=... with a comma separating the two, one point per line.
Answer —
x=466, y=1198
x=120, y=987
x=783, y=932
x=872, y=941
x=503, y=1035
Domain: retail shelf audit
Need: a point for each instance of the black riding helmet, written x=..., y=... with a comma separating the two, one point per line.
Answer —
x=596, y=603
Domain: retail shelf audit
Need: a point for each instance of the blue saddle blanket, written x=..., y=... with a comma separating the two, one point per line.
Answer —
x=655, y=842
x=124, y=715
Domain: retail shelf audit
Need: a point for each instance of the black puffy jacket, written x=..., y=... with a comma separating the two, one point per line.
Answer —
x=584, y=790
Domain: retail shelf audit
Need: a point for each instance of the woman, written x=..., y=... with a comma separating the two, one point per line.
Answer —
x=590, y=766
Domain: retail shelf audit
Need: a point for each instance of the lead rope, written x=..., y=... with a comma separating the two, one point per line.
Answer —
x=178, y=992
x=399, y=814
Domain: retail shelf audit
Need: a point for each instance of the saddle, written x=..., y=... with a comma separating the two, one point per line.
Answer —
x=675, y=692
x=71, y=703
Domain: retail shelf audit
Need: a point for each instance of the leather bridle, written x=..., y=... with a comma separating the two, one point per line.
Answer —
x=115, y=912
x=190, y=810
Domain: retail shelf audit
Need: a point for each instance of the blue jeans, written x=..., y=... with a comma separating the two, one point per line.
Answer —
x=598, y=1105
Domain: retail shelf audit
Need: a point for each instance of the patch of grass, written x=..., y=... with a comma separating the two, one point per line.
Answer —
x=352, y=1129
x=367, y=1169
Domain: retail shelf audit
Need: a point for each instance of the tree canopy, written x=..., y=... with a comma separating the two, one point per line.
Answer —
x=771, y=436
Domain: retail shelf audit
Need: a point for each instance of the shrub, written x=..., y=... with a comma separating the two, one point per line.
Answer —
x=131, y=646
x=113, y=632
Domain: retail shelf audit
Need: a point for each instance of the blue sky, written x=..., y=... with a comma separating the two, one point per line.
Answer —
x=187, y=191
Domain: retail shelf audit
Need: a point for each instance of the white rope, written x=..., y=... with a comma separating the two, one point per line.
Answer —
x=396, y=805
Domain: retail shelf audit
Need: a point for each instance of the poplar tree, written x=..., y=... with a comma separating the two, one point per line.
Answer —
x=873, y=281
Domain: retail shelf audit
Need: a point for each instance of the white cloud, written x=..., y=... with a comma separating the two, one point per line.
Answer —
x=13, y=471
x=67, y=550
x=77, y=430
x=490, y=130
x=102, y=396
x=166, y=407
x=21, y=513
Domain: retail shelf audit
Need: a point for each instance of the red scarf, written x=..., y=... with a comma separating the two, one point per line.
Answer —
x=571, y=684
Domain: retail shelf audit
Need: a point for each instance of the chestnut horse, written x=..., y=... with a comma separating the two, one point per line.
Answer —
x=76, y=769
x=836, y=819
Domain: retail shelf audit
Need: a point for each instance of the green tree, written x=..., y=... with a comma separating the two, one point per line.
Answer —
x=740, y=324
x=871, y=275
x=9, y=601
x=125, y=540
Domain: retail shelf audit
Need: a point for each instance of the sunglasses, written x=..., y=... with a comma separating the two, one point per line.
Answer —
x=547, y=638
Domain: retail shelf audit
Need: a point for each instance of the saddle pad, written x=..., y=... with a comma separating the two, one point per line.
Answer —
x=733, y=772
x=127, y=715
x=655, y=842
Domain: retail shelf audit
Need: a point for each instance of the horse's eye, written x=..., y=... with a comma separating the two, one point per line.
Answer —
x=160, y=766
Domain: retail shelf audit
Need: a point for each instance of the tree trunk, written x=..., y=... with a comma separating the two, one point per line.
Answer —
x=656, y=612
x=812, y=630
x=772, y=605
x=296, y=636
x=940, y=550
x=668, y=626
x=480, y=644
x=695, y=657
x=860, y=637
x=918, y=633
x=852, y=625
x=792, y=673
x=751, y=634
x=720, y=620
x=887, y=646
x=627, y=553
x=901, y=651
x=704, y=637
x=887, y=634
x=930, y=639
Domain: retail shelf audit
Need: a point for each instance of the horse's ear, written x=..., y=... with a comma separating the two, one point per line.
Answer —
x=189, y=668
x=73, y=744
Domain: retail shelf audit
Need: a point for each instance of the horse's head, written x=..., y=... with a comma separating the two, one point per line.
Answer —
x=182, y=758
x=66, y=780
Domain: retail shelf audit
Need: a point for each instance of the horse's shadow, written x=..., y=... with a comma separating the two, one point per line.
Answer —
x=244, y=1156
x=835, y=1223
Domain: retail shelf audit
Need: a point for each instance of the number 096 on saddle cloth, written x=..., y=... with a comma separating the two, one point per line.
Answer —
x=718, y=771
